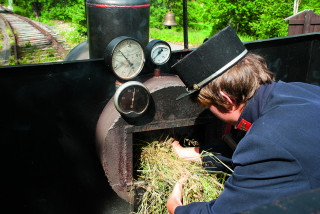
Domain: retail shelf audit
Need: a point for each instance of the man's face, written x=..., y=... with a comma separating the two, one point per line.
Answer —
x=231, y=117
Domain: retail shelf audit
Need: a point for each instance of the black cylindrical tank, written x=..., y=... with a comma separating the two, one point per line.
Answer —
x=108, y=19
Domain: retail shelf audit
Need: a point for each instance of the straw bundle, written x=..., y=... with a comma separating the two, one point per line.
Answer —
x=161, y=169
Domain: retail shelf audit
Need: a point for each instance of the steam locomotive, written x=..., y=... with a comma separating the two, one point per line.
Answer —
x=68, y=128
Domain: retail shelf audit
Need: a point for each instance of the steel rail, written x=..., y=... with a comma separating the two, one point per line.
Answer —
x=62, y=52
x=15, y=39
x=51, y=39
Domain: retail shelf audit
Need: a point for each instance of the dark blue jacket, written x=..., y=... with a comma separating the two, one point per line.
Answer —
x=280, y=154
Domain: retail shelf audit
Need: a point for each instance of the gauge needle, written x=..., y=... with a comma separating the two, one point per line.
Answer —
x=134, y=91
x=159, y=52
x=126, y=58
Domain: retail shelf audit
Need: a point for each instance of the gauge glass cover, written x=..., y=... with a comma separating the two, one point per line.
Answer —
x=160, y=53
x=127, y=59
x=132, y=99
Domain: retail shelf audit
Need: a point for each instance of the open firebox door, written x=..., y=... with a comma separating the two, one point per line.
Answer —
x=117, y=132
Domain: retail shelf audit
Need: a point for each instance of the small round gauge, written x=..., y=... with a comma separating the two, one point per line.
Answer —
x=158, y=52
x=132, y=99
x=125, y=57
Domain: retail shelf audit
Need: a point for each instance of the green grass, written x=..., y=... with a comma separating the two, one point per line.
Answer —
x=1, y=40
x=68, y=31
x=195, y=37
x=33, y=54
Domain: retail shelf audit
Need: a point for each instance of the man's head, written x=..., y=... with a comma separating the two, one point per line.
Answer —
x=237, y=85
x=210, y=60
x=221, y=75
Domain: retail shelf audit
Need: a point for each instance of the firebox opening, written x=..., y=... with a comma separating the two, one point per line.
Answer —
x=201, y=133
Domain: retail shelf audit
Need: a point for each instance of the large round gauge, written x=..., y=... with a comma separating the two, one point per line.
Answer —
x=158, y=52
x=132, y=99
x=125, y=57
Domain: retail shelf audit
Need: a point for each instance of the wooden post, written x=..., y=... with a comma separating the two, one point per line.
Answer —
x=307, y=22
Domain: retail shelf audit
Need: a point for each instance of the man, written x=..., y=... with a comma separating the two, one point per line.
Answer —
x=280, y=154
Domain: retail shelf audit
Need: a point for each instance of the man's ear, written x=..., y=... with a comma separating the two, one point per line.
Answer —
x=226, y=97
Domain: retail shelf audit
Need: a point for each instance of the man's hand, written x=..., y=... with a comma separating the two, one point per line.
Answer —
x=186, y=153
x=175, y=199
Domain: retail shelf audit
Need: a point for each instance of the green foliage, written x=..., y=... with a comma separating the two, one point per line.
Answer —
x=157, y=10
x=260, y=19
x=310, y=4
x=255, y=19
x=28, y=44
x=11, y=60
x=198, y=17
x=270, y=22
x=69, y=11
x=23, y=11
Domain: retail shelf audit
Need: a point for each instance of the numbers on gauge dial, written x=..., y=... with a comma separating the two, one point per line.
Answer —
x=127, y=59
x=134, y=99
x=160, y=53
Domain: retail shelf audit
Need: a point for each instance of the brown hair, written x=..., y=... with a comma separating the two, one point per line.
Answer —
x=239, y=83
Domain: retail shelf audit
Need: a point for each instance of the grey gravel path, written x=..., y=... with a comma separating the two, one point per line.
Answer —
x=175, y=46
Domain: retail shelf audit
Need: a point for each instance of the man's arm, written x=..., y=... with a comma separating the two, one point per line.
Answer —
x=186, y=153
x=264, y=172
x=175, y=198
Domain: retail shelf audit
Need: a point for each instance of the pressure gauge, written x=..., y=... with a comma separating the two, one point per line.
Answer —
x=158, y=52
x=125, y=57
x=132, y=99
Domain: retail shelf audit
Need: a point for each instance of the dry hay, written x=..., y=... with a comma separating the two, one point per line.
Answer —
x=161, y=169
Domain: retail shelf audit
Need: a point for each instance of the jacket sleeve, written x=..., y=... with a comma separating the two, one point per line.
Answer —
x=195, y=208
x=264, y=172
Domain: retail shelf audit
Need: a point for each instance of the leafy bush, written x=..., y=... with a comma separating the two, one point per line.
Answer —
x=310, y=4
x=270, y=22
x=255, y=18
x=157, y=10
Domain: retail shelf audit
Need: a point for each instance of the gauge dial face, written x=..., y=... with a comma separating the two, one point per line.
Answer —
x=160, y=53
x=132, y=99
x=127, y=58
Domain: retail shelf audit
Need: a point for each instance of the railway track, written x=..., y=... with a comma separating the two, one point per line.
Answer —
x=33, y=42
